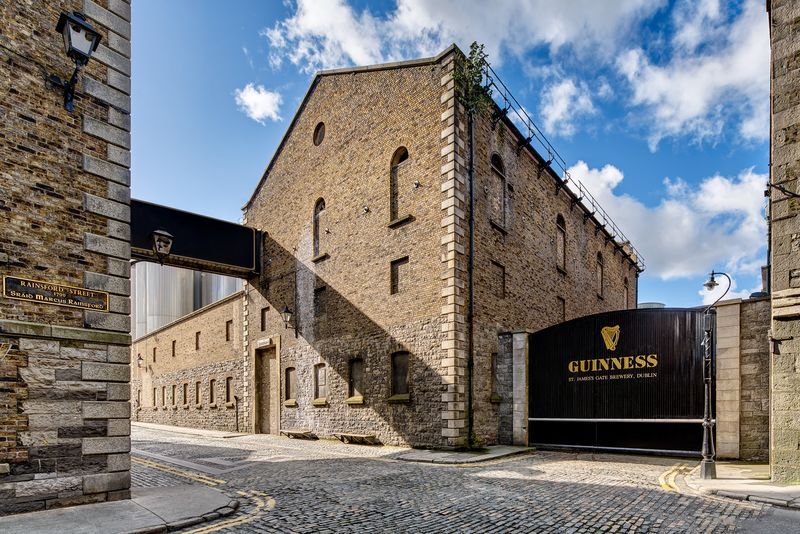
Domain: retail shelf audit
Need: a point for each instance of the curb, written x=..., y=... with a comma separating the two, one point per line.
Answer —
x=791, y=505
x=464, y=462
x=223, y=511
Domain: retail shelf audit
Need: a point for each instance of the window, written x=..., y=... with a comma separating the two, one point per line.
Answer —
x=561, y=307
x=229, y=389
x=320, y=304
x=154, y=354
x=356, y=378
x=197, y=392
x=400, y=374
x=395, y=182
x=561, y=243
x=398, y=275
x=498, y=279
x=290, y=385
x=163, y=395
x=211, y=393
x=185, y=393
x=264, y=318
x=625, y=293
x=599, y=275
x=319, y=133
x=173, y=348
x=228, y=330
x=497, y=192
x=174, y=396
x=138, y=398
x=197, y=341
x=154, y=397
x=319, y=211
x=320, y=382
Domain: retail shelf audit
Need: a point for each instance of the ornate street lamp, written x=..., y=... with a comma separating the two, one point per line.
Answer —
x=286, y=315
x=80, y=40
x=708, y=468
x=162, y=244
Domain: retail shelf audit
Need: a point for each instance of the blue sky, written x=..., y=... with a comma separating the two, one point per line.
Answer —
x=661, y=108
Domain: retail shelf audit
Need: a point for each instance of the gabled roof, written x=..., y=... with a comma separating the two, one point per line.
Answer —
x=347, y=70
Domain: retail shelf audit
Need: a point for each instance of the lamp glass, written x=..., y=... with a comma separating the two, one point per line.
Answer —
x=80, y=39
x=286, y=315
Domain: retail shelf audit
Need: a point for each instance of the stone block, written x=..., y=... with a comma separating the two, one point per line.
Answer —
x=105, y=372
x=116, y=392
x=105, y=410
x=108, y=94
x=119, y=427
x=119, y=193
x=107, y=321
x=39, y=346
x=120, y=81
x=106, y=132
x=107, y=170
x=120, y=268
x=119, y=354
x=119, y=462
x=118, y=155
x=117, y=304
x=103, y=16
x=49, y=486
x=109, y=445
x=107, y=208
x=119, y=119
x=41, y=406
x=112, y=59
x=83, y=353
x=104, y=482
x=104, y=282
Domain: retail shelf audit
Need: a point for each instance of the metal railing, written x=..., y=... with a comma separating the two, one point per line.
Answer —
x=538, y=142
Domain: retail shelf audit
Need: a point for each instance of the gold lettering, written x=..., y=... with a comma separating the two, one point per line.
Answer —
x=652, y=360
x=573, y=367
x=604, y=364
x=616, y=363
x=628, y=361
x=641, y=361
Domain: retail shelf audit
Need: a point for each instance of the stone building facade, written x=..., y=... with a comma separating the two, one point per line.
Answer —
x=189, y=372
x=64, y=195
x=364, y=213
x=784, y=223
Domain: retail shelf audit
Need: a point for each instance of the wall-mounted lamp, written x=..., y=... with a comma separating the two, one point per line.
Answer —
x=286, y=315
x=162, y=244
x=366, y=209
x=417, y=185
x=80, y=40
x=139, y=360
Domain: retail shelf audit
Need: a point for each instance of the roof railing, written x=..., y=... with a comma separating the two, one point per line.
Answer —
x=539, y=143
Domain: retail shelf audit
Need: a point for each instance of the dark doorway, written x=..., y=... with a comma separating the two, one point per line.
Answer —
x=267, y=392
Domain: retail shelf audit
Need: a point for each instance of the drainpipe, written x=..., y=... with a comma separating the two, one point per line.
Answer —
x=470, y=271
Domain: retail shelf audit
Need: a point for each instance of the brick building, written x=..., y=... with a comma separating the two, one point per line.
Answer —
x=64, y=194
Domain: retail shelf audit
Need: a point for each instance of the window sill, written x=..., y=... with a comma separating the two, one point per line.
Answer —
x=155, y=408
x=355, y=400
x=229, y=405
x=495, y=398
x=600, y=297
x=320, y=257
x=320, y=402
x=290, y=403
x=174, y=406
x=561, y=270
x=402, y=398
x=213, y=405
x=499, y=227
x=164, y=407
x=185, y=406
x=400, y=221
x=198, y=406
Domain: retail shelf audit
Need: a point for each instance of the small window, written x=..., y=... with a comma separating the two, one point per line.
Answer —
x=138, y=397
x=499, y=280
x=154, y=354
x=497, y=192
x=320, y=302
x=396, y=183
x=398, y=275
x=174, y=396
x=228, y=330
x=400, y=373
x=290, y=385
x=625, y=293
x=197, y=392
x=197, y=341
x=264, y=318
x=320, y=382
x=319, y=212
x=319, y=133
x=154, y=397
x=173, y=347
x=561, y=307
x=211, y=393
x=599, y=275
x=185, y=393
x=355, y=379
x=163, y=395
x=561, y=243
x=229, y=389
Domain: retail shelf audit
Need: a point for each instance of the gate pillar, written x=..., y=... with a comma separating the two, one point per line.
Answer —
x=519, y=359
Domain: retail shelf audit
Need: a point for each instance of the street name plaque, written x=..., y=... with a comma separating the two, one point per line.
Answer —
x=57, y=294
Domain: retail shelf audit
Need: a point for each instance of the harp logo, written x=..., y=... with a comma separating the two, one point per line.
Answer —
x=610, y=336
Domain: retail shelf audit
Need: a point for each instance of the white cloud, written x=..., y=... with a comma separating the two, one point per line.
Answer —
x=561, y=104
x=331, y=33
x=717, y=74
x=259, y=103
x=718, y=223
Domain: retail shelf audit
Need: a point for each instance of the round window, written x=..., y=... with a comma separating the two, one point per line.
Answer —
x=319, y=133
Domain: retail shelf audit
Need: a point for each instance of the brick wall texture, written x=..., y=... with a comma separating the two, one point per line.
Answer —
x=784, y=18
x=64, y=194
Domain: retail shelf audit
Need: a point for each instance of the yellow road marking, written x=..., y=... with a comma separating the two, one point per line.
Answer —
x=179, y=472
x=667, y=479
x=268, y=503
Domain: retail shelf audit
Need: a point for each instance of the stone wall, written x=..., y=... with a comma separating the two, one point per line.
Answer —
x=784, y=17
x=216, y=358
x=754, y=376
x=64, y=195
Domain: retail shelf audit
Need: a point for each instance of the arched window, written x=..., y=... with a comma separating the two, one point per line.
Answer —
x=625, y=293
x=497, y=192
x=319, y=133
x=561, y=243
x=395, y=180
x=599, y=275
x=319, y=208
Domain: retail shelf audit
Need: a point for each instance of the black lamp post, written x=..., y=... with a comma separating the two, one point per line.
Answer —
x=80, y=40
x=708, y=468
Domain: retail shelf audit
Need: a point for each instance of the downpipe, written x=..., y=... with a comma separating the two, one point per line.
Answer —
x=470, y=271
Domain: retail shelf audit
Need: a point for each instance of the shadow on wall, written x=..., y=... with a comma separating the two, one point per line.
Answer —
x=333, y=330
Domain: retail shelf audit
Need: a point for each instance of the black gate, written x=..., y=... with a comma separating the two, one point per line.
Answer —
x=625, y=380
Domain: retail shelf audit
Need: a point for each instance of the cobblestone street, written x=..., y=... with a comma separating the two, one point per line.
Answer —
x=303, y=486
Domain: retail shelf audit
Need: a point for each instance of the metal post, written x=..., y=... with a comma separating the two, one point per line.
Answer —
x=708, y=468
